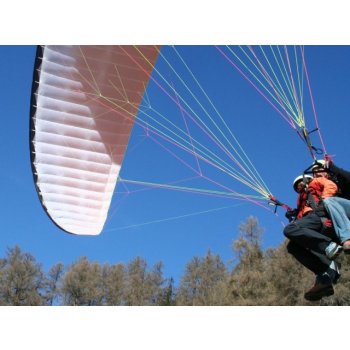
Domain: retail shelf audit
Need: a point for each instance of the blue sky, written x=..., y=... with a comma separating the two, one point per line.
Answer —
x=275, y=150
x=166, y=225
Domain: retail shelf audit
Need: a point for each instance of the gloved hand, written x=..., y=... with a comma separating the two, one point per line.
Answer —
x=291, y=214
x=328, y=163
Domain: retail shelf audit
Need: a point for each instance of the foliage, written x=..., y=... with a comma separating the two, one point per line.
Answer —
x=22, y=281
x=256, y=277
x=204, y=282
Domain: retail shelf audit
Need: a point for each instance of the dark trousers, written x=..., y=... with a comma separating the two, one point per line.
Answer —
x=307, y=243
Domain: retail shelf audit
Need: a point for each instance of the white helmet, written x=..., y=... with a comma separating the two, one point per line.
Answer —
x=319, y=164
x=300, y=178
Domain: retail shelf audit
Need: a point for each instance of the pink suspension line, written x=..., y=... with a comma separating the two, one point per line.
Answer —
x=292, y=79
x=192, y=118
x=172, y=153
x=189, y=134
x=230, y=190
x=261, y=93
x=312, y=102
x=272, y=84
x=165, y=138
x=180, y=107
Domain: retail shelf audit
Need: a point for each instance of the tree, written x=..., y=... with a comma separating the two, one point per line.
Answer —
x=113, y=284
x=22, y=280
x=247, y=283
x=248, y=246
x=287, y=279
x=274, y=277
x=168, y=294
x=204, y=282
x=82, y=284
x=53, y=283
x=143, y=287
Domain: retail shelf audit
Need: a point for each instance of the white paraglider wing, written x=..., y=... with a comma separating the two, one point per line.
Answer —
x=84, y=102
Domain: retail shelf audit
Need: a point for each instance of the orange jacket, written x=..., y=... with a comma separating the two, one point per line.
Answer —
x=302, y=205
x=319, y=188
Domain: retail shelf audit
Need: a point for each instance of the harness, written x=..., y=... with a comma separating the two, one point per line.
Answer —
x=327, y=225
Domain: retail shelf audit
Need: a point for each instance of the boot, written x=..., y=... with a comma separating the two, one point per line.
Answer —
x=318, y=291
x=323, y=286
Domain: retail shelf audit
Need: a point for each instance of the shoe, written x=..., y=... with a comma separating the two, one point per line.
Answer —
x=324, y=283
x=333, y=250
x=318, y=291
x=346, y=247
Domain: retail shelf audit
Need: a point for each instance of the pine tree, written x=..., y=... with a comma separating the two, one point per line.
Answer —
x=54, y=284
x=82, y=284
x=113, y=284
x=143, y=287
x=204, y=282
x=247, y=283
x=22, y=280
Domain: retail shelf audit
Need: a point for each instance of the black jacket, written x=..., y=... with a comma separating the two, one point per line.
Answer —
x=342, y=178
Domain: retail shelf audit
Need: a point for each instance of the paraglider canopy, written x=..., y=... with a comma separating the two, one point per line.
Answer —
x=84, y=101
